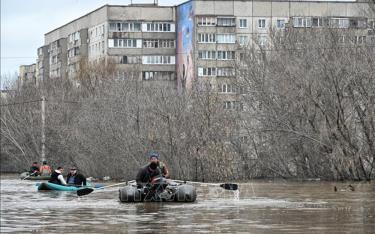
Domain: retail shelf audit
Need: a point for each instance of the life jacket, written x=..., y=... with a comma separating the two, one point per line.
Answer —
x=45, y=170
x=54, y=178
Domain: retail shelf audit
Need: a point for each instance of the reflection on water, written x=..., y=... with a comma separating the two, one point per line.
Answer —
x=259, y=207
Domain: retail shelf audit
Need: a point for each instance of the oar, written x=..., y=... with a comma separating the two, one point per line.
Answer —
x=227, y=186
x=29, y=175
x=85, y=191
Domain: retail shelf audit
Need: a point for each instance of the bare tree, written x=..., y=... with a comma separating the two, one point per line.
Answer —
x=311, y=100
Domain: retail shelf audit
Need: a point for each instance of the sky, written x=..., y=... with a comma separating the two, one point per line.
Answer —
x=24, y=23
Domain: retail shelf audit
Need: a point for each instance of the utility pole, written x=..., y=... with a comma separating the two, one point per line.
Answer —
x=43, y=128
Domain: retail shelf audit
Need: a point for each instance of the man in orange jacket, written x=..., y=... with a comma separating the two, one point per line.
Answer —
x=45, y=170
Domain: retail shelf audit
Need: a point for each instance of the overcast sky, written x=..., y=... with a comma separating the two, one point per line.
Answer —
x=24, y=23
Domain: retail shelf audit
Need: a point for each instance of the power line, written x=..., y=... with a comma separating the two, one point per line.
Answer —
x=15, y=57
x=18, y=103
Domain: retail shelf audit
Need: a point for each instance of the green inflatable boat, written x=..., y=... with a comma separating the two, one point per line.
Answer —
x=27, y=176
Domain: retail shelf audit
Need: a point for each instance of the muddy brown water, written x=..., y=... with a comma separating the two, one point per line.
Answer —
x=261, y=207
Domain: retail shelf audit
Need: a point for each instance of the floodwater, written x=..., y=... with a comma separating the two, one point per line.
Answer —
x=260, y=207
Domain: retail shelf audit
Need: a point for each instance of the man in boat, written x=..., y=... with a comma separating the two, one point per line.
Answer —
x=150, y=178
x=45, y=169
x=74, y=178
x=34, y=169
x=57, y=177
x=154, y=168
x=149, y=171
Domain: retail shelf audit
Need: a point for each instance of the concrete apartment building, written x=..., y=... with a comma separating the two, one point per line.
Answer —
x=27, y=74
x=137, y=36
x=218, y=30
x=42, y=64
x=199, y=40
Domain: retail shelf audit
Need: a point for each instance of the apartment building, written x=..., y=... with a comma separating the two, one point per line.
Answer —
x=27, y=74
x=212, y=33
x=136, y=37
x=199, y=40
x=42, y=64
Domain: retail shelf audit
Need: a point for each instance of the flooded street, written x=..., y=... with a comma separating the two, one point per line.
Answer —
x=262, y=207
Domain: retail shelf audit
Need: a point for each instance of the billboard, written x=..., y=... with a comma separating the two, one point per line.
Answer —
x=185, y=33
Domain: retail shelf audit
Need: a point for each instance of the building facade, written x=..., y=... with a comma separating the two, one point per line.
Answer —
x=27, y=74
x=219, y=30
x=199, y=40
x=137, y=37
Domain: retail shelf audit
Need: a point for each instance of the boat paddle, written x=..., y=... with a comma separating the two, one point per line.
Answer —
x=227, y=186
x=85, y=191
x=29, y=175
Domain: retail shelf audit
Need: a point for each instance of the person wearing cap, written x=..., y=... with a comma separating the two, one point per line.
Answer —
x=74, y=178
x=45, y=170
x=57, y=177
x=147, y=172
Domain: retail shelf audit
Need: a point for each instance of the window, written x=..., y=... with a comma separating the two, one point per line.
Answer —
x=158, y=75
x=206, y=38
x=359, y=40
x=73, y=52
x=233, y=105
x=206, y=71
x=243, y=40
x=225, y=55
x=123, y=27
x=227, y=88
x=261, y=23
x=207, y=54
x=280, y=23
x=226, y=38
x=206, y=21
x=225, y=71
x=112, y=27
x=302, y=22
x=317, y=22
x=155, y=43
x=124, y=43
x=128, y=59
x=262, y=40
x=148, y=75
x=53, y=59
x=159, y=27
x=226, y=21
x=158, y=59
x=358, y=23
x=339, y=22
x=243, y=23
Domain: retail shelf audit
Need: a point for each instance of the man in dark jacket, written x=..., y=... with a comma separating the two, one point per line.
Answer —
x=34, y=169
x=57, y=177
x=150, y=178
x=74, y=178
x=148, y=172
